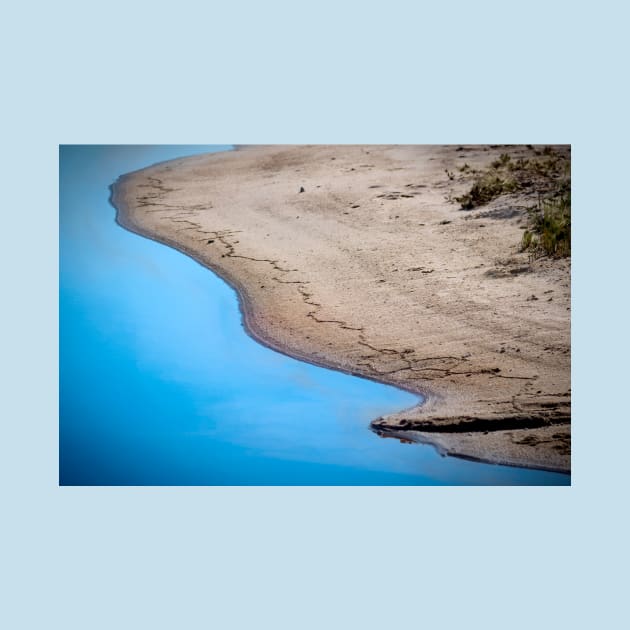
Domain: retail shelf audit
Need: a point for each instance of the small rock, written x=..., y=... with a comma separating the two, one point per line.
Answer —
x=302, y=189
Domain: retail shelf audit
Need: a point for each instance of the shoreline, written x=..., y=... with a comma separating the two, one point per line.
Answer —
x=123, y=220
x=446, y=425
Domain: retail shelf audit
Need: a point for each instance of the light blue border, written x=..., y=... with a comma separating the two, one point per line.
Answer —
x=396, y=72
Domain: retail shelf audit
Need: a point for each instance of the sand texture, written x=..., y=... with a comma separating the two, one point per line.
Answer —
x=375, y=270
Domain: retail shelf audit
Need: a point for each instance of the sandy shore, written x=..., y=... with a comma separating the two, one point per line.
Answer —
x=374, y=270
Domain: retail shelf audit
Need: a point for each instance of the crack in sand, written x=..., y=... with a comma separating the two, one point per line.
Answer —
x=306, y=297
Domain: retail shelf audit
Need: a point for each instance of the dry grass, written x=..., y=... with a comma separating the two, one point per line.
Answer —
x=547, y=175
x=550, y=228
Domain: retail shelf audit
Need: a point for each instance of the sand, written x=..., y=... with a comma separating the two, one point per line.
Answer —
x=375, y=270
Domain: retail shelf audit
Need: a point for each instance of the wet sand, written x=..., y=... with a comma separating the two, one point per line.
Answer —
x=375, y=270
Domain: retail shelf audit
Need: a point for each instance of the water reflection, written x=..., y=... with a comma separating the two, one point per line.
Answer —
x=159, y=384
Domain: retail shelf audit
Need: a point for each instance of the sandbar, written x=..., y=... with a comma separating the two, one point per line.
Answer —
x=358, y=258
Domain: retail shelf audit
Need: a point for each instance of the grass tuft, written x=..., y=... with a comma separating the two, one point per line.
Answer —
x=485, y=188
x=550, y=228
x=547, y=174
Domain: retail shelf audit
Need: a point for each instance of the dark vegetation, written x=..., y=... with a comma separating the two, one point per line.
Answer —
x=546, y=177
x=549, y=230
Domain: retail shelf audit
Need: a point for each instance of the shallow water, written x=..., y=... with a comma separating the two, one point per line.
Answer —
x=160, y=385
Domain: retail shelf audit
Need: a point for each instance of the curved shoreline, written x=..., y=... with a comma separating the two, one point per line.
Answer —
x=405, y=422
x=414, y=436
x=123, y=220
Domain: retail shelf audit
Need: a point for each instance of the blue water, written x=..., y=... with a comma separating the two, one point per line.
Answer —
x=160, y=385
